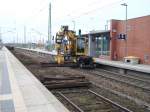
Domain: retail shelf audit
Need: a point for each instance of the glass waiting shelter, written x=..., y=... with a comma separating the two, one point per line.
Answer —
x=99, y=43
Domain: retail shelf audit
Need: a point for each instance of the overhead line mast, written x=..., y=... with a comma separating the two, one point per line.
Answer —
x=49, y=26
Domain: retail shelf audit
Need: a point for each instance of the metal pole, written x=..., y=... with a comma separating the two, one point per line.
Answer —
x=106, y=26
x=49, y=24
x=0, y=33
x=74, y=25
x=49, y=28
x=126, y=32
x=17, y=37
x=24, y=34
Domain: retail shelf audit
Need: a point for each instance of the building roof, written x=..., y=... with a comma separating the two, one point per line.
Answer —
x=133, y=18
x=98, y=31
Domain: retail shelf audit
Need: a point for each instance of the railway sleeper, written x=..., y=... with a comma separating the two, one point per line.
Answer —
x=67, y=85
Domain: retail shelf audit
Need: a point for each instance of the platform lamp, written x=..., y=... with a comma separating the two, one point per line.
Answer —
x=126, y=14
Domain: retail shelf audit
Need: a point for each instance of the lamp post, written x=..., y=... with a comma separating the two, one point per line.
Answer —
x=126, y=33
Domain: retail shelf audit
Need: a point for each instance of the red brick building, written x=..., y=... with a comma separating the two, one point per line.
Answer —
x=106, y=45
x=137, y=42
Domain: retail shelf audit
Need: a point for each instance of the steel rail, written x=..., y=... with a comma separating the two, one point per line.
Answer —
x=103, y=75
x=126, y=75
x=73, y=104
x=110, y=101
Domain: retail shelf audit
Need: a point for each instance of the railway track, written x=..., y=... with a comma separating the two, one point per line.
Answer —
x=141, y=76
x=90, y=101
x=128, y=78
x=135, y=82
x=123, y=79
x=133, y=90
x=111, y=96
x=117, y=85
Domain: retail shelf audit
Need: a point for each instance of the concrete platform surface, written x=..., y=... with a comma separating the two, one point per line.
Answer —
x=20, y=91
x=119, y=64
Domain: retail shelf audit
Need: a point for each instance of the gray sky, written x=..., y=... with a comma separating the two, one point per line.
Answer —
x=87, y=14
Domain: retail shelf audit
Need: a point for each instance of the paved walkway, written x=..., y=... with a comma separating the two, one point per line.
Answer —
x=20, y=91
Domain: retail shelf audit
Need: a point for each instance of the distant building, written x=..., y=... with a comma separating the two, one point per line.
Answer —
x=114, y=45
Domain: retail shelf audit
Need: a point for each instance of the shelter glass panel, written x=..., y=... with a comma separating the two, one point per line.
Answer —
x=102, y=45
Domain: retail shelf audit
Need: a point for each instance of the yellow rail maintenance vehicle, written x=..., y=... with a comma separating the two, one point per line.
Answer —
x=72, y=49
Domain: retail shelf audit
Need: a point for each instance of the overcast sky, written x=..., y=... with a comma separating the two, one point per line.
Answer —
x=87, y=14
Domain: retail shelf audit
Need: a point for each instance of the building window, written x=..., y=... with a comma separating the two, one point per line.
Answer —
x=102, y=46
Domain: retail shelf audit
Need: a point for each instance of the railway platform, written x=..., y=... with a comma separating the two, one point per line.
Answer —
x=135, y=67
x=20, y=91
